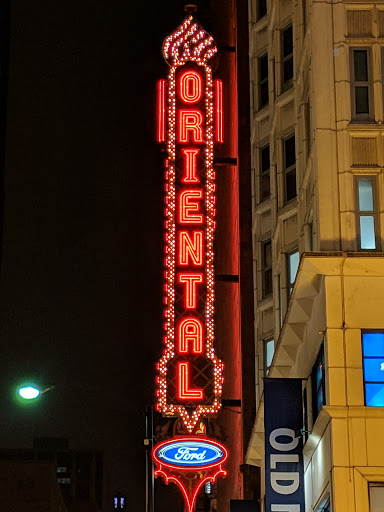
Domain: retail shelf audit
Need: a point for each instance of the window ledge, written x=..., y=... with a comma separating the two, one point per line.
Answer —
x=365, y=166
x=369, y=124
x=288, y=207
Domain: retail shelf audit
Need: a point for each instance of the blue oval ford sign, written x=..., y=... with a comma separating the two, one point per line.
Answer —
x=186, y=453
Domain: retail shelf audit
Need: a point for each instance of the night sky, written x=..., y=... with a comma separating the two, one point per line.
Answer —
x=81, y=262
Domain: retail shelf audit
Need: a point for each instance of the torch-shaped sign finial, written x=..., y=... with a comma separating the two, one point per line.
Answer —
x=190, y=42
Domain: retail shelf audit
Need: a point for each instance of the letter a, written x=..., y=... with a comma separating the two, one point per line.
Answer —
x=190, y=331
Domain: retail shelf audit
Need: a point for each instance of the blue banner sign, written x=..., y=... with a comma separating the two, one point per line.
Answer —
x=283, y=421
x=190, y=453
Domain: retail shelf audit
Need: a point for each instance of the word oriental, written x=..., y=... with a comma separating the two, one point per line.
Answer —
x=190, y=121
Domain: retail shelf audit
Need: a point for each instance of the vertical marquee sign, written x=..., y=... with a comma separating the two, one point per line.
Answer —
x=190, y=122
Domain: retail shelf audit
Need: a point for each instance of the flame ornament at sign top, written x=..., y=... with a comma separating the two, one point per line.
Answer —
x=189, y=42
x=190, y=119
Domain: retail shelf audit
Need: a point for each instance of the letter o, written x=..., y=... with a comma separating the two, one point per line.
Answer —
x=190, y=86
x=283, y=447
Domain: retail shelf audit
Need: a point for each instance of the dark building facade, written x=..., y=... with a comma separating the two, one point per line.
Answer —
x=30, y=485
x=78, y=473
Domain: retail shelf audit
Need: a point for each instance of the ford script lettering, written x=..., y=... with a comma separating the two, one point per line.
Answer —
x=189, y=453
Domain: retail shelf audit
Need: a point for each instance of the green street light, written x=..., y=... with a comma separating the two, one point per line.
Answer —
x=31, y=391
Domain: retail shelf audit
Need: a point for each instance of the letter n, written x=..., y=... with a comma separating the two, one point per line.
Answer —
x=191, y=249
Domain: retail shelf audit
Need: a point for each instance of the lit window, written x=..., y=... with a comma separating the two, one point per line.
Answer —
x=366, y=213
x=287, y=56
x=290, y=168
x=318, y=384
x=61, y=469
x=64, y=481
x=373, y=367
x=376, y=497
x=293, y=265
x=119, y=502
x=263, y=81
x=261, y=8
x=361, y=83
x=269, y=350
x=265, y=177
x=267, y=267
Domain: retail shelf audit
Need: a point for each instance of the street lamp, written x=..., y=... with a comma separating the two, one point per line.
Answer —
x=31, y=391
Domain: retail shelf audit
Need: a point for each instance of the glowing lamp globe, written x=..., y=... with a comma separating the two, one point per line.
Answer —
x=29, y=392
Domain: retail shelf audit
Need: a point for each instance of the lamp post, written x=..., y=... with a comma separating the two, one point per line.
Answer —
x=149, y=476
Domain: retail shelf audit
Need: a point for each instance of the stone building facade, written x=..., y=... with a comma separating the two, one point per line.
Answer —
x=317, y=78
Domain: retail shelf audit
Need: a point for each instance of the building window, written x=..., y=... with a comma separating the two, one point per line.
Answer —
x=265, y=175
x=269, y=350
x=267, y=267
x=376, y=497
x=263, y=81
x=361, y=83
x=261, y=8
x=287, y=56
x=373, y=368
x=290, y=168
x=318, y=384
x=366, y=212
x=293, y=259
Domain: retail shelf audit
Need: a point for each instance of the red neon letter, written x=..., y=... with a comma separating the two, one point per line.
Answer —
x=190, y=331
x=188, y=205
x=190, y=165
x=190, y=86
x=190, y=121
x=219, y=111
x=183, y=388
x=191, y=281
x=191, y=249
x=161, y=111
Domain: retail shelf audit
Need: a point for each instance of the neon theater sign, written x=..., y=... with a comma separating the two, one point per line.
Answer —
x=189, y=381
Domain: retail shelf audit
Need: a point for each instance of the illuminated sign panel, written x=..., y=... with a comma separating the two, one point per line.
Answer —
x=190, y=462
x=189, y=382
x=190, y=453
x=190, y=120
